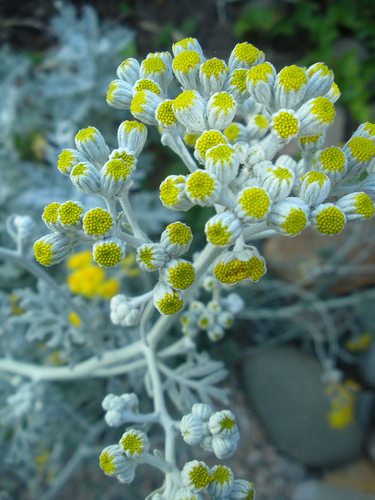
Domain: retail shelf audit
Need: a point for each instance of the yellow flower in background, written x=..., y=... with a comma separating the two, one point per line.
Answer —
x=360, y=343
x=74, y=319
x=343, y=399
x=79, y=260
x=14, y=303
x=89, y=280
x=129, y=267
x=109, y=288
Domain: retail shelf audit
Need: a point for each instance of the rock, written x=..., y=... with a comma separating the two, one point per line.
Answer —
x=316, y=490
x=366, y=366
x=284, y=388
x=305, y=257
x=358, y=476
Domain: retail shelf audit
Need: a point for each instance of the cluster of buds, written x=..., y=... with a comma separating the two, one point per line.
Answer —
x=175, y=274
x=218, y=482
x=213, y=431
x=93, y=169
x=213, y=318
x=124, y=311
x=120, y=409
x=236, y=173
x=120, y=460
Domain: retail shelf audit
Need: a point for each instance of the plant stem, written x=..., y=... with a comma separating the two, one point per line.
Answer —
x=128, y=211
x=174, y=141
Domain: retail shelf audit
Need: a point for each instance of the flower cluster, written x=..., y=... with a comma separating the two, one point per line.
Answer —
x=120, y=409
x=175, y=274
x=93, y=169
x=236, y=173
x=228, y=122
x=120, y=460
x=218, y=482
x=214, y=318
x=213, y=431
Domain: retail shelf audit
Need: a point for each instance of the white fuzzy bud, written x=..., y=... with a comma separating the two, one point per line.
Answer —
x=191, y=428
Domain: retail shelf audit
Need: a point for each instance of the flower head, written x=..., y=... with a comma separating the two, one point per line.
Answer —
x=290, y=87
x=328, y=219
x=128, y=71
x=196, y=476
x=242, y=490
x=223, y=229
x=191, y=427
x=277, y=180
x=189, y=108
x=166, y=299
x=236, y=85
x=70, y=215
x=50, y=216
x=315, y=116
x=252, y=204
x=314, y=188
x=120, y=94
x=115, y=176
x=68, y=159
x=202, y=188
x=212, y=75
x=233, y=267
x=114, y=462
x=90, y=142
x=178, y=274
x=186, y=66
x=223, y=481
x=356, y=206
x=206, y=141
x=134, y=443
x=223, y=424
x=360, y=152
x=244, y=55
x=131, y=136
x=143, y=106
x=176, y=239
x=85, y=178
x=52, y=248
x=172, y=193
x=260, y=80
x=222, y=161
x=289, y=216
x=158, y=67
x=319, y=80
x=221, y=109
x=332, y=162
x=108, y=252
x=187, y=44
x=285, y=125
x=165, y=116
x=97, y=223
x=151, y=256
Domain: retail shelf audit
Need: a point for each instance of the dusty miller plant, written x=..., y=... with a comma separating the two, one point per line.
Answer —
x=228, y=123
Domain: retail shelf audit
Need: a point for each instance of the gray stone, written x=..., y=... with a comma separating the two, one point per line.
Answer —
x=366, y=366
x=284, y=388
x=316, y=490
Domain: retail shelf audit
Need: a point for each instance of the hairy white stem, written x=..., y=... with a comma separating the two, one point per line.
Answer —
x=129, y=214
x=159, y=404
x=177, y=145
